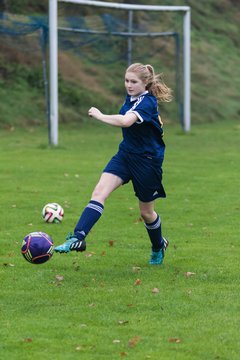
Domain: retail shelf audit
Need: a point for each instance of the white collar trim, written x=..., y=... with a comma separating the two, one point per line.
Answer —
x=133, y=98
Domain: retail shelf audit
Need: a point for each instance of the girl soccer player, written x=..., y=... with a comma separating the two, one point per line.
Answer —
x=139, y=159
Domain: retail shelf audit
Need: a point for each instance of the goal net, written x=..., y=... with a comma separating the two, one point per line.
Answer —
x=103, y=38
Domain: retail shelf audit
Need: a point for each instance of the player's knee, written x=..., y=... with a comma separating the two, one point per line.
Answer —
x=147, y=215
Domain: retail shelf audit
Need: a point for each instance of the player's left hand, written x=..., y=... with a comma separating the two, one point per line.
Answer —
x=94, y=112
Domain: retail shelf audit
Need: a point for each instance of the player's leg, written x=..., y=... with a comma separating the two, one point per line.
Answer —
x=153, y=225
x=91, y=214
x=93, y=211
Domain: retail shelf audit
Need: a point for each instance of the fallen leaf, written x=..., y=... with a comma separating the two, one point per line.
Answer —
x=138, y=221
x=92, y=305
x=138, y=282
x=27, y=340
x=189, y=273
x=123, y=353
x=133, y=342
x=59, y=277
x=66, y=204
x=136, y=268
x=123, y=322
x=111, y=242
x=130, y=305
x=174, y=340
x=89, y=254
x=155, y=290
x=8, y=264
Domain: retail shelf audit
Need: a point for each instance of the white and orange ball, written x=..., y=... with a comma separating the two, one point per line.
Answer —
x=53, y=213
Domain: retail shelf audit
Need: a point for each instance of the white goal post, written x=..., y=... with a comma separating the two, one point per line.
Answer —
x=53, y=54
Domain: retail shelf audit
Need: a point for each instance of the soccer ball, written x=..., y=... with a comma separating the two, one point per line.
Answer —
x=37, y=247
x=53, y=213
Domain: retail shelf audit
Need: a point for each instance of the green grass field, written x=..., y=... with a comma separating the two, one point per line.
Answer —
x=108, y=303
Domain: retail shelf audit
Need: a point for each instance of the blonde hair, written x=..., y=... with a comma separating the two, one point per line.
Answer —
x=154, y=82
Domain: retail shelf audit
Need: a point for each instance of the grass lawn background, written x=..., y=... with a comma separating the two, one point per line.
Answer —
x=108, y=303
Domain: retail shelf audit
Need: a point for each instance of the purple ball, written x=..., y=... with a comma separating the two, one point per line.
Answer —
x=37, y=247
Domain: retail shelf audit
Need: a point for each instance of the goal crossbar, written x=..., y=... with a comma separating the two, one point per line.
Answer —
x=128, y=6
x=53, y=54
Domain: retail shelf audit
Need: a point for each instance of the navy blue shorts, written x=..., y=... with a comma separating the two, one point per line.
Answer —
x=145, y=172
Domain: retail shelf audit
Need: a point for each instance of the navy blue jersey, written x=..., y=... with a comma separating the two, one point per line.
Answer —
x=145, y=135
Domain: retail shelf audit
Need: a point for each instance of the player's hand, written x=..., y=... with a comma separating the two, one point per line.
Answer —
x=94, y=112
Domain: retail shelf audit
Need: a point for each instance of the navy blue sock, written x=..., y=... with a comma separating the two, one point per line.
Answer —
x=89, y=217
x=155, y=234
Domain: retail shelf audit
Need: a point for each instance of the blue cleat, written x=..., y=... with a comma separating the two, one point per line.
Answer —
x=157, y=256
x=72, y=243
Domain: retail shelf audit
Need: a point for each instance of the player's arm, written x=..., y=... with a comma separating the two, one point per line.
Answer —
x=116, y=120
